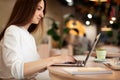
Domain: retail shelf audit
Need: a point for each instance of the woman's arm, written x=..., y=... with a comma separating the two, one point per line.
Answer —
x=36, y=66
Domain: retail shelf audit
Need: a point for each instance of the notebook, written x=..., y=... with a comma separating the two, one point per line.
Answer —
x=81, y=63
x=87, y=70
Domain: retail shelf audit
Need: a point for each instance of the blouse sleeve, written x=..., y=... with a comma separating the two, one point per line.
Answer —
x=11, y=53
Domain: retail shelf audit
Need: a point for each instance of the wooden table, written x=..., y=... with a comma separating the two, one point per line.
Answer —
x=57, y=73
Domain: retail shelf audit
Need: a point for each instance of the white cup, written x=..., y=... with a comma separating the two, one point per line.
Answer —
x=101, y=54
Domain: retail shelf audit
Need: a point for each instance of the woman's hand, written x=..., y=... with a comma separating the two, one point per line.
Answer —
x=61, y=59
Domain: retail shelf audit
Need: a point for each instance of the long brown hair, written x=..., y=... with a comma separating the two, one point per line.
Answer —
x=22, y=13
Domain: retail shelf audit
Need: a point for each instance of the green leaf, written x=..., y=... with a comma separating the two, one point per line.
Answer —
x=110, y=33
x=56, y=37
x=54, y=26
x=66, y=30
x=50, y=32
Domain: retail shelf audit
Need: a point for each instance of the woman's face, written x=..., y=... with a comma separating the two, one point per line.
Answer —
x=38, y=13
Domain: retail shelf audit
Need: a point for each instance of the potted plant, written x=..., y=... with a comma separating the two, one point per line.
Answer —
x=58, y=34
x=54, y=32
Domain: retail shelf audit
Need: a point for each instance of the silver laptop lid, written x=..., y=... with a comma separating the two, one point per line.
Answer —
x=93, y=46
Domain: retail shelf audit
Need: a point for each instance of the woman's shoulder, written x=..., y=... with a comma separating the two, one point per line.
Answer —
x=13, y=28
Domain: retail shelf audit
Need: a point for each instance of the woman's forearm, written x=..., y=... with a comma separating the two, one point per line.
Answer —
x=37, y=66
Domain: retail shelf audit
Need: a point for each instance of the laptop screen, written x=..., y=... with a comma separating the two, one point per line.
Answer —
x=93, y=46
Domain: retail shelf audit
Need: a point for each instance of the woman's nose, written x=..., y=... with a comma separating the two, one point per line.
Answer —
x=41, y=15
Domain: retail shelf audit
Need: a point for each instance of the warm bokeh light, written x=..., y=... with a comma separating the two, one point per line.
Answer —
x=99, y=0
x=76, y=25
x=105, y=28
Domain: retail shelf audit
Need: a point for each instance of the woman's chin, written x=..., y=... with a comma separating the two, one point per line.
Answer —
x=36, y=22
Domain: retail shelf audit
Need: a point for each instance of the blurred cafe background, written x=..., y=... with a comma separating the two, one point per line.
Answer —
x=72, y=25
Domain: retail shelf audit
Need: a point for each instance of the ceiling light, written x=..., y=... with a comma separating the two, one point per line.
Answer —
x=87, y=22
x=89, y=16
x=111, y=22
x=113, y=18
x=70, y=2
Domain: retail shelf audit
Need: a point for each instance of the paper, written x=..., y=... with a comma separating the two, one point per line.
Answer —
x=87, y=70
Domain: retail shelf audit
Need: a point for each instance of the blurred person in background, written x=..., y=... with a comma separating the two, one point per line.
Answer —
x=85, y=43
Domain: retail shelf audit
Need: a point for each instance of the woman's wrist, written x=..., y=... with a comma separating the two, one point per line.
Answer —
x=51, y=61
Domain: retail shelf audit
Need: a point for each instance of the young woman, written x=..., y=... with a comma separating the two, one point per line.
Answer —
x=19, y=56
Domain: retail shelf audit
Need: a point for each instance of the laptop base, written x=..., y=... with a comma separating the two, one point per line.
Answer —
x=69, y=64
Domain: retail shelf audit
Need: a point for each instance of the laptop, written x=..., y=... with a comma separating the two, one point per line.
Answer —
x=81, y=63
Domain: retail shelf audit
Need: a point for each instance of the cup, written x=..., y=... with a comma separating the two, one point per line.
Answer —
x=101, y=54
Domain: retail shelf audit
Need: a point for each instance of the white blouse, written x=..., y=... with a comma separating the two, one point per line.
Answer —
x=18, y=46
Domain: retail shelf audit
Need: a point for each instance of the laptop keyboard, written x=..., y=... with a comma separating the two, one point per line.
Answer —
x=77, y=63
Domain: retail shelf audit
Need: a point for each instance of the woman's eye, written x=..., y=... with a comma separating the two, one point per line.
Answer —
x=38, y=8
